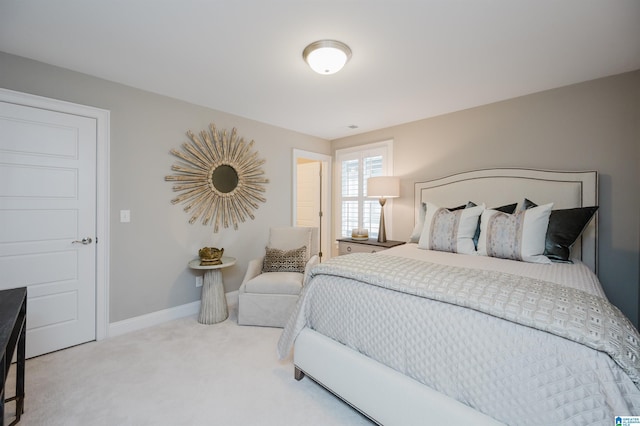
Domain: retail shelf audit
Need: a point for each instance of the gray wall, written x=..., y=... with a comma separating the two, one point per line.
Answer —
x=588, y=126
x=149, y=256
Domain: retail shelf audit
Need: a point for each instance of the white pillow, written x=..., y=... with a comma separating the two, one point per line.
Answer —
x=417, y=230
x=518, y=236
x=451, y=231
x=290, y=238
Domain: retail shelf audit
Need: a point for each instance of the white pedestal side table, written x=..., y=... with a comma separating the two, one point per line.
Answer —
x=213, y=306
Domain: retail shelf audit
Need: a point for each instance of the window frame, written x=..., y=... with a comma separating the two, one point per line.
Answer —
x=384, y=148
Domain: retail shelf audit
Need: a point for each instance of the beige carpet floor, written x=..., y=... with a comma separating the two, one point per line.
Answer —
x=177, y=373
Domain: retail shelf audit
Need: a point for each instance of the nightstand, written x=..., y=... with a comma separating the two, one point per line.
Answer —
x=348, y=245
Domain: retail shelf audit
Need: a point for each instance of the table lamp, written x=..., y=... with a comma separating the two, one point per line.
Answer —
x=383, y=187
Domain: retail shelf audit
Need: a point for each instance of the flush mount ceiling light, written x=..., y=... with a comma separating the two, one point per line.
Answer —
x=326, y=56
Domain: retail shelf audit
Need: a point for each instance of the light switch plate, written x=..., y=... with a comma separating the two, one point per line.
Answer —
x=125, y=216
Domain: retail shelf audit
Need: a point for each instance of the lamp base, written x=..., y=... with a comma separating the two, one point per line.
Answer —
x=382, y=234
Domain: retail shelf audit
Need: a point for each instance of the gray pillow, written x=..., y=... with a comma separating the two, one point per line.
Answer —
x=565, y=227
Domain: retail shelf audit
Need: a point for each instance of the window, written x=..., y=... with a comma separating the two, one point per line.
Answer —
x=355, y=166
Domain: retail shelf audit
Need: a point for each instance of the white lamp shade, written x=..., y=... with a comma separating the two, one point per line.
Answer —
x=383, y=186
x=326, y=56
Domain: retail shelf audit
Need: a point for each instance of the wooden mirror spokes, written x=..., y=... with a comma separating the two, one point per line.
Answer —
x=220, y=178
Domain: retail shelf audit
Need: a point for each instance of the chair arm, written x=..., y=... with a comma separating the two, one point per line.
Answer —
x=313, y=261
x=253, y=269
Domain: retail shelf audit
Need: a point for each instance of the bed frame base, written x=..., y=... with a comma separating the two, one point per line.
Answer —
x=378, y=392
x=299, y=375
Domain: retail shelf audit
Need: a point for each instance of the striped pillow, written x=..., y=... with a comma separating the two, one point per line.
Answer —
x=518, y=236
x=451, y=231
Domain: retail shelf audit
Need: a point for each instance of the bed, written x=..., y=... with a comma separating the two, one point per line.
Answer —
x=417, y=335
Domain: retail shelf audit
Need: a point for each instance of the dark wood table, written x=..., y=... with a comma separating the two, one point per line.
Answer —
x=13, y=315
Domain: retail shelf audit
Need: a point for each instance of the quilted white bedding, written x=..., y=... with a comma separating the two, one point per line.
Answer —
x=512, y=372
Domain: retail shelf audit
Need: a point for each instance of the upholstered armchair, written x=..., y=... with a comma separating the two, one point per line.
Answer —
x=273, y=282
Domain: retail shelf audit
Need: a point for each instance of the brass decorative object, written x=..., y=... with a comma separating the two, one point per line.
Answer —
x=210, y=256
x=220, y=177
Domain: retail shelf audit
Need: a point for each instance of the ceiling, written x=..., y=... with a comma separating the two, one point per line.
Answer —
x=411, y=59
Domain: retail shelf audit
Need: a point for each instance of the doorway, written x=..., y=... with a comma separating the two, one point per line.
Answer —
x=312, y=195
x=53, y=205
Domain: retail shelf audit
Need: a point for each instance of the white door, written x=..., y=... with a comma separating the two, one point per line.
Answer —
x=48, y=222
x=308, y=193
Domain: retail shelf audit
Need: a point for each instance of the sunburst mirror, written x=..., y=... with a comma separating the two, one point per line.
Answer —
x=220, y=178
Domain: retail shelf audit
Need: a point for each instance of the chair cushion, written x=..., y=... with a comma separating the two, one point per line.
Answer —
x=289, y=238
x=275, y=283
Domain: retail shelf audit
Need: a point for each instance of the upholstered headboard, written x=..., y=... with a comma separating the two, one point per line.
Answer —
x=497, y=187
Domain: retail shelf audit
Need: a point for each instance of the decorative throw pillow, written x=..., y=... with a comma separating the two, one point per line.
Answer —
x=452, y=231
x=276, y=260
x=527, y=204
x=565, y=227
x=518, y=236
x=508, y=208
x=417, y=229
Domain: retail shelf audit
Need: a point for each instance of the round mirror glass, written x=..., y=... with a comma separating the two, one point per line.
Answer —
x=225, y=178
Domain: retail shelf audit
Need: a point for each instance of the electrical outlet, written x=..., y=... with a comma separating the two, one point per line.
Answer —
x=198, y=281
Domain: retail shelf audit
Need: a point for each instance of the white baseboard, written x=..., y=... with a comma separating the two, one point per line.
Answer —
x=154, y=318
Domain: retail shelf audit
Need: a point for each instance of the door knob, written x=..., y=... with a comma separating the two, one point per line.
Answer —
x=84, y=241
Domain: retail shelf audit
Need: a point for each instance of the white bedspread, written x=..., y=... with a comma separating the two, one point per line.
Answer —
x=576, y=275
x=513, y=373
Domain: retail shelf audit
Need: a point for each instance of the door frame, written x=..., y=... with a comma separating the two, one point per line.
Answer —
x=326, y=194
x=102, y=118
